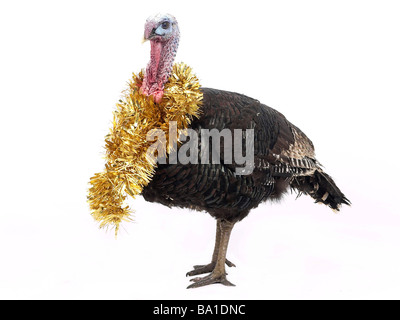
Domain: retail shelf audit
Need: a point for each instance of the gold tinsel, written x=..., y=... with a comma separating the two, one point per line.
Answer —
x=128, y=168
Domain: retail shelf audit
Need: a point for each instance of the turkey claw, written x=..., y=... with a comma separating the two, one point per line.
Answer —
x=201, y=269
x=210, y=279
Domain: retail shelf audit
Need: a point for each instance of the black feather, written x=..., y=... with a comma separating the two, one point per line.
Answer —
x=283, y=158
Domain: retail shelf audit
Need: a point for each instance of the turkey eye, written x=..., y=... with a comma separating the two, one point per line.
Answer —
x=165, y=25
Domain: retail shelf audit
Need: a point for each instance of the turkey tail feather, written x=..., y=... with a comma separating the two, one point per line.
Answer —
x=321, y=187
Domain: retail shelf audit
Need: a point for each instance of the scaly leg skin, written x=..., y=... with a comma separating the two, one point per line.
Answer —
x=218, y=274
x=200, y=269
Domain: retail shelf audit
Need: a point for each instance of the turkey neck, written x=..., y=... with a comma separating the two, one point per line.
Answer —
x=159, y=69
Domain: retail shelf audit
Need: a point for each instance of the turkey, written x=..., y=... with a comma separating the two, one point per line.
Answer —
x=283, y=157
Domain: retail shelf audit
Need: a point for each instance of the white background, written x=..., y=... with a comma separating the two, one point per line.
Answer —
x=332, y=67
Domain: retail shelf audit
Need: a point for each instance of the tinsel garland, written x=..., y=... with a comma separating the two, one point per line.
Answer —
x=129, y=168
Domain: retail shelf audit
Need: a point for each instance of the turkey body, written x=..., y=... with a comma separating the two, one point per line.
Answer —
x=280, y=156
x=283, y=158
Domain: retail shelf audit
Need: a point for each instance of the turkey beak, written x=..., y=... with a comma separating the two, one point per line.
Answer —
x=149, y=36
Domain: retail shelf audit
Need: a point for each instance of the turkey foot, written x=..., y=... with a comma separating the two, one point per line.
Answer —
x=210, y=279
x=217, y=265
x=200, y=269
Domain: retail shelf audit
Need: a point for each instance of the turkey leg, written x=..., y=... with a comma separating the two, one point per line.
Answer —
x=218, y=274
x=200, y=269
